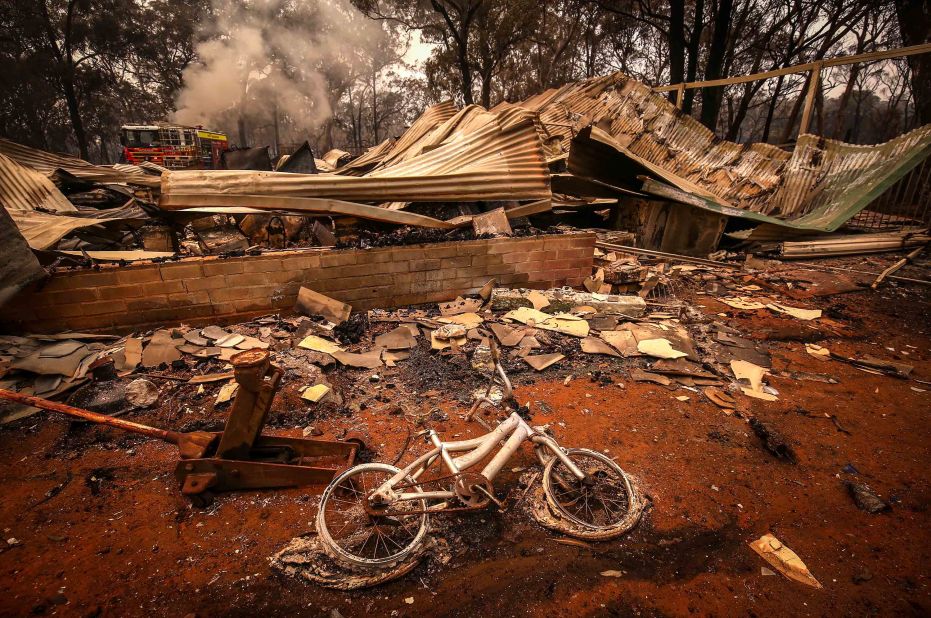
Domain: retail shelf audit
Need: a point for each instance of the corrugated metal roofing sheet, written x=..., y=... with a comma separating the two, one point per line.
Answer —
x=390, y=152
x=24, y=190
x=819, y=185
x=47, y=163
x=501, y=159
x=41, y=212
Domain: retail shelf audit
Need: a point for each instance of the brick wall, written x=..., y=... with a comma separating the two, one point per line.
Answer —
x=200, y=290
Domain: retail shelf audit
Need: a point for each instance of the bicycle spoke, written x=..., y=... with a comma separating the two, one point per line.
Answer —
x=601, y=500
x=361, y=535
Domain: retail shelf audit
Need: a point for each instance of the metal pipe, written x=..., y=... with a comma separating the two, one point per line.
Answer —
x=52, y=406
x=663, y=254
x=860, y=272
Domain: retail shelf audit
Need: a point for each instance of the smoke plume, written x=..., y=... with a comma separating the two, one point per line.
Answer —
x=261, y=56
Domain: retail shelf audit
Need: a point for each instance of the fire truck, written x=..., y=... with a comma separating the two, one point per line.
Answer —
x=172, y=146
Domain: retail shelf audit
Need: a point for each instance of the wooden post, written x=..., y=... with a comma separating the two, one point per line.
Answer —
x=680, y=95
x=814, y=82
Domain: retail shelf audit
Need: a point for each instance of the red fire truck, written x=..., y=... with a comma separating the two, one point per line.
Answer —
x=172, y=146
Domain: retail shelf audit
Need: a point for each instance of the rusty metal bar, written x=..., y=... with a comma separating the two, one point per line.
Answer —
x=814, y=83
x=173, y=437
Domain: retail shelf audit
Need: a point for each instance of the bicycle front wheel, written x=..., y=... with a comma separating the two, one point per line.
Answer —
x=604, y=501
x=360, y=538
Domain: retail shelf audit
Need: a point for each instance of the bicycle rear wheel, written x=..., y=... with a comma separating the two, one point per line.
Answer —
x=605, y=502
x=359, y=538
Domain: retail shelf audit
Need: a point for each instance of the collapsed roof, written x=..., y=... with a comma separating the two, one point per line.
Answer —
x=603, y=137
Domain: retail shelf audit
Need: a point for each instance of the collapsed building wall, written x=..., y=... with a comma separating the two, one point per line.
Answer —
x=214, y=289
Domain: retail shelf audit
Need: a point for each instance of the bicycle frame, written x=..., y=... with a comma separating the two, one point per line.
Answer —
x=515, y=429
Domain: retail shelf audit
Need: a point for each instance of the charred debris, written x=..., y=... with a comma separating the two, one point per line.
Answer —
x=691, y=234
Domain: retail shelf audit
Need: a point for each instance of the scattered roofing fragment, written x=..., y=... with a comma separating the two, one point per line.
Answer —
x=319, y=344
x=315, y=393
x=162, y=348
x=621, y=340
x=542, y=361
x=783, y=560
x=310, y=302
x=795, y=312
x=468, y=320
x=593, y=345
x=301, y=161
x=492, y=223
x=367, y=360
x=461, y=305
x=753, y=374
x=561, y=322
x=41, y=212
x=398, y=339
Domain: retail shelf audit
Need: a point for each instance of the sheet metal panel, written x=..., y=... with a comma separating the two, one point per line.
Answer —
x=501, y=160
x=819, y=185
x=47, y=163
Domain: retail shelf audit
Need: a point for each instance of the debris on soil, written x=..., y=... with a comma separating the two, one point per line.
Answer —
x=784, y=560
x=141, y=393
x=865, y=498
x=774, y=442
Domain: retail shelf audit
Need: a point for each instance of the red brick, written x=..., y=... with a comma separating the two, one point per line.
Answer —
x=485, y=260
x=456, y=262
x=119, y=292
x=228, y=294
x=433, y=275
x=512, y=245
x=82, y=295
x=441, y=251
x=337, y=258
x=375, y=256
x=230, y=266
x=247, y=280
x=138, y=274
x=204, y=283
x=475, y=247
x=147, y=303
x=163, y=287
x=429, y=264
x=571, y=254
x=102, y=307
x=301, y=262
x=262, y=266
x=557, y=242
x=586, y=240
x=62, y=310
x=513, y=278
x=181, y=271
x=515, y=258
x=189, y=298
x=249, y=305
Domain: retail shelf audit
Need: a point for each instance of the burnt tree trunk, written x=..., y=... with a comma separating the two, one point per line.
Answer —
x=691, y=72
x=711, y=97
x=676, y=44
x=915, y=26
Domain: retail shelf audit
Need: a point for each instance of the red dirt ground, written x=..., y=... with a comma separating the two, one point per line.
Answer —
x=135, y=547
